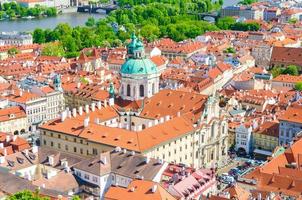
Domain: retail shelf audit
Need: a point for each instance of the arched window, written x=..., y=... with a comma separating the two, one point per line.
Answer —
x=141, y=91
x=128, y=90
x=143, y=126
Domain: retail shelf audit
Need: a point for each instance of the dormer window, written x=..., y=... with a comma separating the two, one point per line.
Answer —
x=11, y=116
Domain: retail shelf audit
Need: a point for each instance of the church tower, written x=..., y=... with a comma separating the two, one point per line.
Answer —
x=57, y=84
x=139, y=75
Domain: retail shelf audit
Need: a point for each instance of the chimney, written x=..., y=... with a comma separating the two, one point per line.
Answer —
x=147, y=160
x=99, y=105
x=86, y=122
x=63, y=115
x=5, y=152
x=92, y=107
x=7, y=138
x=34, y=149
x=2, y=159
x=51, y=160
x=14, y=138
x=21, y=93
x=26, y=152
x=78, y=85
x=161, y=120
x=69, y=114
x=97, y=121
x=64, y=163
x=178, y=114
x=80, y=110
x=86, y=108
x=167, y=118
x=1, y=145
x=154, y=188
x=74, y=112
x=149, y=124
x=105, y=103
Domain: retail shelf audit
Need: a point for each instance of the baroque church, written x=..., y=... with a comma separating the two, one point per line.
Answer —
x=142, y=105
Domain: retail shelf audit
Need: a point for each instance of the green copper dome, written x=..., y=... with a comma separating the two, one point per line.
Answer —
x=137, y=63
x=139, y=66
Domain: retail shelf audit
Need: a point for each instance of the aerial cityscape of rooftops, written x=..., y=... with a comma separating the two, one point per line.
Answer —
x=151, y=100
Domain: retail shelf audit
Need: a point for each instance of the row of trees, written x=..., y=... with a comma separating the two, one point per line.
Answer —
x=14, y=10
x=28, y=195
x=291, y=70
x=247, y=2
x=152, y=21
x=229, y=23
x=185, y=5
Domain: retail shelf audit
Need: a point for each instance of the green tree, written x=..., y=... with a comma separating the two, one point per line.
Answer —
x=13, y=51
x=76, y=198
x=150, y=32
x=298, y=86
x=69, y=44
x=225, y=23
x=39, y=36
x=276, y=71
x=293, y=21
x=90, y=22
x=27, y=195
x=53, y=49
x=230, y=50
x=2, y=14
x=291, y=70
x=247, y=2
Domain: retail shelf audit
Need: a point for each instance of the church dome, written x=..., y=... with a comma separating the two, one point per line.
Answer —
x=139, y=66
x=137, y=62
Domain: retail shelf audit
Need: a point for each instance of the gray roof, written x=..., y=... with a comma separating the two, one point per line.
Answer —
x=13, y=184
x=125, y=164
x=134, y=166
x=99, y=165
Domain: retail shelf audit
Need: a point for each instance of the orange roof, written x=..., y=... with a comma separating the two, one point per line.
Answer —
x=169, y=102
x=292, y=114
x=139, y=189
x=269, y=128
x=11, y=113
x=137, y=141
x=288, y=78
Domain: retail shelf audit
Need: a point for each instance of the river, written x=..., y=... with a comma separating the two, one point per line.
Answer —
x=73, y=19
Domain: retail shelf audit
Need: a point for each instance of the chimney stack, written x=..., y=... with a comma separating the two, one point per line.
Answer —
x=80, y=110
x=92, y=107
x=86, y=122
x=161, y=120
x=74, y=112
x=63, y=115
x=86, y=109
x=105, y=103
x=99, y=105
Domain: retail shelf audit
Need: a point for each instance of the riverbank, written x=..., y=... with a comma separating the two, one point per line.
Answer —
x=72, y=18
